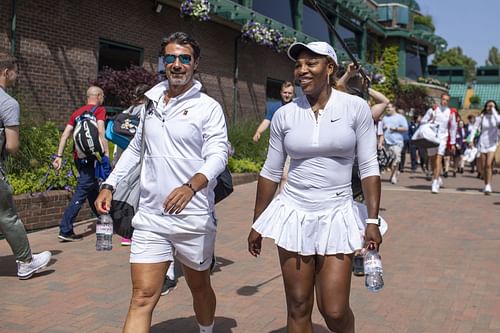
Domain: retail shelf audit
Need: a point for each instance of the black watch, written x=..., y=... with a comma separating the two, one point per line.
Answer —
x=106, y=187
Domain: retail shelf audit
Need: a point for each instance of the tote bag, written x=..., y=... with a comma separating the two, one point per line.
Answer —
x=127, y=193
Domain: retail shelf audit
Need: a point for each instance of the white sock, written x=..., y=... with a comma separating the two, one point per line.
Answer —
x=206, y=329
x=171, y=271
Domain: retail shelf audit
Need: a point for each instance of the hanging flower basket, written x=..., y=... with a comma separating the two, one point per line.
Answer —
x=266, y=36
x=196, y=9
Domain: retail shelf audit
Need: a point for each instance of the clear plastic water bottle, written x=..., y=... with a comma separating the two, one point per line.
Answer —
x=374, y=281
x=104, y=233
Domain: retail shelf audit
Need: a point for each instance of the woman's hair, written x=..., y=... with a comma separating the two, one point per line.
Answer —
x=488, y=102
x=332, y=78
x=139, y=92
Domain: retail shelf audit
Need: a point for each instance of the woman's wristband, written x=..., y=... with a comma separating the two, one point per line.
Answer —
x=373, y=221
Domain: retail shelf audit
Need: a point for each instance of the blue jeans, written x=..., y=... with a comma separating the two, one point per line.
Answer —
x=87, y=187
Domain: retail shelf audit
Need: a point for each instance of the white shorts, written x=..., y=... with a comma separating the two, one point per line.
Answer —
x=485, y=150
x=440, y=150
x=156, y=238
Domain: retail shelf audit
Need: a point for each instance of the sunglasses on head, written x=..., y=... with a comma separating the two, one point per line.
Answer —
x=183, y=58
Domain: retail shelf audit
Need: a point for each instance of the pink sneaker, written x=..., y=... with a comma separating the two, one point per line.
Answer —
x=126, y=241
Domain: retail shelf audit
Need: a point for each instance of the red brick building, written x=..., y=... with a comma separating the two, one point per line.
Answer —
x=61, y=45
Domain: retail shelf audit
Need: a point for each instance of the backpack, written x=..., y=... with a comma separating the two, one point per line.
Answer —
x=121, y=129
x=86, y=135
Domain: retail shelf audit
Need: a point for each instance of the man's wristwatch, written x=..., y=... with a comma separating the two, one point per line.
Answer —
x=191, y=187
x=106, y=187
x=373, y=221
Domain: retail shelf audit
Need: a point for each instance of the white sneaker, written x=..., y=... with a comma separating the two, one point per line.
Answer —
x=440, y=181
x=487, y=189
x=394, y=180
x=38, y=261
x=435, y=186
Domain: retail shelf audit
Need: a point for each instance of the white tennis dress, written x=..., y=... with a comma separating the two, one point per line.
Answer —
x=315, y=212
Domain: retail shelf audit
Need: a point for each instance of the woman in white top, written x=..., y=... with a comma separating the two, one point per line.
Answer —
x=488, y=139
x=313, y=220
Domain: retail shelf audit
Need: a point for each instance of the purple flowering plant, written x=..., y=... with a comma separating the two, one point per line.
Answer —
x=197, y=9
x=266, y=36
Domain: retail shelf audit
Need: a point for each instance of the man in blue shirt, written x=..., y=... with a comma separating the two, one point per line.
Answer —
x=286, y=97
x=394, y=126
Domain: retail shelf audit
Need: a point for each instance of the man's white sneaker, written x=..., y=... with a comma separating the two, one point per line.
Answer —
x=394, y=180
x=38, y=261
x=435, y=186
x=487, y=189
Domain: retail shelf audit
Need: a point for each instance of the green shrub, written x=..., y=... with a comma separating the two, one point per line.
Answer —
x=475, y=100
x=26, y=170
x=240, y=136
x=424, y=20
x=244, y=165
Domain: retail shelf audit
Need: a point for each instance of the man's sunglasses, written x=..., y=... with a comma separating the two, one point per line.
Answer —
x=183, y=58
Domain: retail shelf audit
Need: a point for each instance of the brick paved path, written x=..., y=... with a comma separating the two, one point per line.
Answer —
x=442, y=273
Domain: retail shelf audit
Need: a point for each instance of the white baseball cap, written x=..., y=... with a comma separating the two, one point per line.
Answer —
x=321, y=48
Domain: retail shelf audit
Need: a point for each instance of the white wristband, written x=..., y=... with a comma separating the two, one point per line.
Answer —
x=373, y=221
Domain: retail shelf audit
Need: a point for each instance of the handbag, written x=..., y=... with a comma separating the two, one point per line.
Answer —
x=384, y=159
x=127, y=193
x=224, y=185
x=426, y=136
x=121, y=129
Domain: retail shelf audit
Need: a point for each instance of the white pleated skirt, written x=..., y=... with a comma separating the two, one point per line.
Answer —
x=337, y=228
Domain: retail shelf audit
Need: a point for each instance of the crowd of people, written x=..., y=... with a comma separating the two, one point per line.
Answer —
x=474, y=143
x=312, y=216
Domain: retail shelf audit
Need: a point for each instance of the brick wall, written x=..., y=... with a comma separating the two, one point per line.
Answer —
x=57, y=45
x=45, y=210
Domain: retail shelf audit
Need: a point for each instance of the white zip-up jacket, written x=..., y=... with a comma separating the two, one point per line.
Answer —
x=184, y=137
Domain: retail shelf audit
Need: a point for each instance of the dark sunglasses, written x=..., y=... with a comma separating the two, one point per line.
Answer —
x=170, y=58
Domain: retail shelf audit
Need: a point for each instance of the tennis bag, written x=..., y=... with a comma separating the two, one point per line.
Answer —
x=122, y=129
x=86, y=135
x=426, y=136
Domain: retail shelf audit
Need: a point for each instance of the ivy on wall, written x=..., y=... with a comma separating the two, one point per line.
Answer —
x=389, y=67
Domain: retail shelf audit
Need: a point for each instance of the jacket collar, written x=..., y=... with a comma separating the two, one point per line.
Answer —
x=158, y=91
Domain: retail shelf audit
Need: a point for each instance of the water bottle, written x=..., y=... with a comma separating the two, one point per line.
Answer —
x=104, y=233
x=374, y=281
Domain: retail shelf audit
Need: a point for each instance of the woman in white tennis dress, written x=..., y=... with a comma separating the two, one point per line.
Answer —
x=314, y=221
x=488, y=139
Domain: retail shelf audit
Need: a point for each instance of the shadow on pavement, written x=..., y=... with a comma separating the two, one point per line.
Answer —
x=316, y=329
x=420, y=187
x=189, y=325
x=221, y=262
x=251, y=290
x=8, y=265
x=465, y=189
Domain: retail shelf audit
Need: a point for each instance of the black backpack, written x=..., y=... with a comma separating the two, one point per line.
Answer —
x=86, y=135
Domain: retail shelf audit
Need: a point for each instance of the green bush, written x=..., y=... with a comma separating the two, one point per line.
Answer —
x=244, y=165
x=248, y=156
x=424, y=20
x=27, y=169
x=475, y=100
x=240, y=136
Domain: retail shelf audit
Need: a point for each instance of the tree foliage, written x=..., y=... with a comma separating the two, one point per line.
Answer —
x=119, y=85
x=456, y=57
x=493, y=57
x=415, y=97
x=424, y=20
x=389, y=66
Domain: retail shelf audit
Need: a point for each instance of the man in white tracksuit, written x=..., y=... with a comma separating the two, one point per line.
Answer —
x=447, y=122
x=186, y=148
